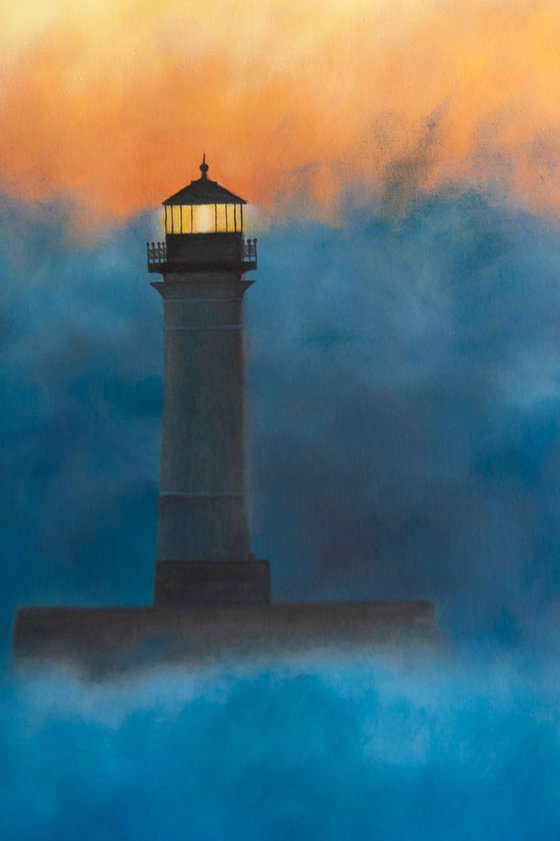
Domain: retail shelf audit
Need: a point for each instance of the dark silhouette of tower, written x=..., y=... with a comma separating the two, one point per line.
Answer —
x=203, y=552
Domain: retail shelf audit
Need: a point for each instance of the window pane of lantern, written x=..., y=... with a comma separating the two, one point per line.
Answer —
x=203, y=219
x=167, y=220
x=221, y=218
x=176, y=210
x=185, y=219
x=233, y=217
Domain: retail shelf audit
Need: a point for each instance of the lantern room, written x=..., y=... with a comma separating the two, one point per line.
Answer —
x=203, y=225
x=204, y=207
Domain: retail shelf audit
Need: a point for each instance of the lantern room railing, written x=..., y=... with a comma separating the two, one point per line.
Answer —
x=249, y=253
x=157, y=253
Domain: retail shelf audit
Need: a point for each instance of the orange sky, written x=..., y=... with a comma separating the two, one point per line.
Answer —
x=111, y=102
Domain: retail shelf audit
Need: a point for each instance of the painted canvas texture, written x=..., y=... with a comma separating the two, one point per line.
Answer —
x=403, y=409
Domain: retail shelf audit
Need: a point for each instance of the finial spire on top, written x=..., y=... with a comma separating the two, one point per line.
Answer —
x=204, y=166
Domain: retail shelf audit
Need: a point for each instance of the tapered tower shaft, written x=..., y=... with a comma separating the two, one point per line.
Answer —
x=202, y=507
x=203, y=552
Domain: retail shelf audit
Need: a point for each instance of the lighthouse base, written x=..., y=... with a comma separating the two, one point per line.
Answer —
x=188, y=583
x=108, y=643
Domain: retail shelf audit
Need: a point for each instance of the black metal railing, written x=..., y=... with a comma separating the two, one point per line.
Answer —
x=249, y=251
x=157, y=252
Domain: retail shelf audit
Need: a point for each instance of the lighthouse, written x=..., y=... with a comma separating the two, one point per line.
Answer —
x=211, y=595
x=203, y=551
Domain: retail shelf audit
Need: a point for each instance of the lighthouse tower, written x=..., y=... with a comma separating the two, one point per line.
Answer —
x=212, y=597
x=203, y=550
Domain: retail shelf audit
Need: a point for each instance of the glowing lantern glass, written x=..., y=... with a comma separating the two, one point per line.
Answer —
x=203, y=218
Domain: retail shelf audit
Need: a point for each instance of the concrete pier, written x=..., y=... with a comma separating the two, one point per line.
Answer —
x=107, y=642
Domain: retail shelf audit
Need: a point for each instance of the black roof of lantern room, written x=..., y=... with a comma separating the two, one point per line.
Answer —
x=204, y=191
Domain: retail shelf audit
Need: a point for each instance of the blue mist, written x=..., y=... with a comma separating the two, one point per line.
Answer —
x=404, y=441
x=308, y=750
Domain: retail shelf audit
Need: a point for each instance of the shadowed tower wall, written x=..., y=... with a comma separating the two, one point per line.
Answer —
x=203, y=551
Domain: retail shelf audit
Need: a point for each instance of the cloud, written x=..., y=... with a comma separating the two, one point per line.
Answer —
x=405, y=410
x=112, y=103
x=313, y=749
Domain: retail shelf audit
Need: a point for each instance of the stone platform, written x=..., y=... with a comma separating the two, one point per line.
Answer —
x=102, y=642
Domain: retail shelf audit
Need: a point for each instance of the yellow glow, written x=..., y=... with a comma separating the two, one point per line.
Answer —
x=221, y=218
x=203, y=219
